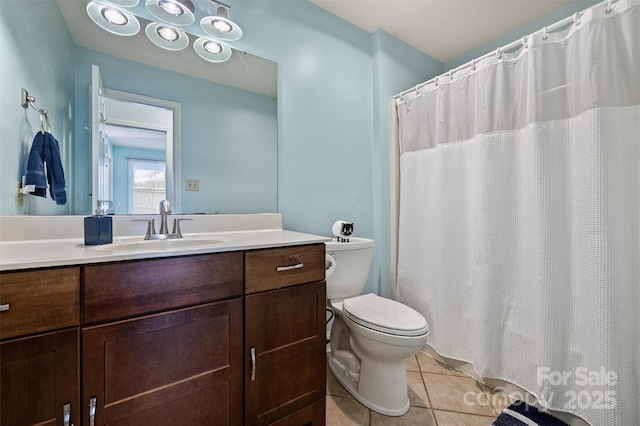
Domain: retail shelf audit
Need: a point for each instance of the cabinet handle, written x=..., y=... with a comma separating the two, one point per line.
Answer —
x=66, y=414
x=253, y=363
x=4, y=307
x=92, y=411
x=288, y=268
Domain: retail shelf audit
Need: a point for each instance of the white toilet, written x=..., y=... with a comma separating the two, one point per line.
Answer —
x=371, y=336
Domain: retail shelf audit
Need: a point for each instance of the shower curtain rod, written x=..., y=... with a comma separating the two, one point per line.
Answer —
x=520, y=42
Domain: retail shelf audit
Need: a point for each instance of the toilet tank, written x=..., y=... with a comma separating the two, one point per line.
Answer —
x=349, y=268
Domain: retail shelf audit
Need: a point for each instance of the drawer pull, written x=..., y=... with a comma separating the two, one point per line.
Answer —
x=289, y=268
x=253, y=363
x=4, y=307
x=92, y=411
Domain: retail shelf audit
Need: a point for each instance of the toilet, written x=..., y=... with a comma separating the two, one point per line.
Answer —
x=371, y=337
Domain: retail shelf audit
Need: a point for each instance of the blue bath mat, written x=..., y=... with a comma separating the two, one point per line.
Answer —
x=522, y=414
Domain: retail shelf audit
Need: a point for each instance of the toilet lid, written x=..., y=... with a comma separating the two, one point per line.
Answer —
x=384, y=315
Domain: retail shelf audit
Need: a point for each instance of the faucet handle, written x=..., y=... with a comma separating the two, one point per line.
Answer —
x=176, y=226
x=165, y=207
x=151, y=227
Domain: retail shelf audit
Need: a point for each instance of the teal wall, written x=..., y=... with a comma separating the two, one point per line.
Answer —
x=47, y=74
x=397, y=66
x=335, y=83
x=334, y=86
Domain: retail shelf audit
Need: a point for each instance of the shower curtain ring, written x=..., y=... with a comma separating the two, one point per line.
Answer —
x=544, y=33
x=609, y=7
x=499, y=53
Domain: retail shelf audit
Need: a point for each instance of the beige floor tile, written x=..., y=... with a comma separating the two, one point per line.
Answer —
x=428, y=364
x=456, y=393
x=346, y=412
x=449, y=418
x=412, y=364
x=498, y=400
x=416, y=390
x=416, y=416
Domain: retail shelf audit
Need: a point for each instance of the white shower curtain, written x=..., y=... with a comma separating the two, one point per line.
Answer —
x=519, y=224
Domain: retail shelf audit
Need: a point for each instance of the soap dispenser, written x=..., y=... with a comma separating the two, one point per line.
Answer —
x=98, y=229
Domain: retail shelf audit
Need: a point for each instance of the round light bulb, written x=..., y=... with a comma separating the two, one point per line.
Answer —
x=171, y=7
x=167, y=33
x=212, y=47
x=221, y=26
x=114, y=16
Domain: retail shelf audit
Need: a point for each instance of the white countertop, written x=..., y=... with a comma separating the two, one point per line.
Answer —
x=15, y=255
x=28, y=242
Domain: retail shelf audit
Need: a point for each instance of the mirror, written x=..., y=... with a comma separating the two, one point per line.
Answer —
x=227, y=136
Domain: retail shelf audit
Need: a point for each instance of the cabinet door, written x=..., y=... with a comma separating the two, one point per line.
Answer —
x=285, y=351
x=311, y=415
x=38, y=376
x=182, y=367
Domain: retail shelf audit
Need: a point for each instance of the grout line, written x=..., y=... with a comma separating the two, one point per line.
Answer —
x=463, y=412
x=426, y=391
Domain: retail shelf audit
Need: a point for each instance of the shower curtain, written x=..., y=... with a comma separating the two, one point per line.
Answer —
x=519, y=222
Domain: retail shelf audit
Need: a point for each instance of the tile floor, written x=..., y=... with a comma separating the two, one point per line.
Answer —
x=438, y=394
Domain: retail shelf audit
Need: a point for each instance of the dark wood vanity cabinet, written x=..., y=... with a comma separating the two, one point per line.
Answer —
x=213, y=339
x=285, y=346
x=39, y=351
x=166, y=344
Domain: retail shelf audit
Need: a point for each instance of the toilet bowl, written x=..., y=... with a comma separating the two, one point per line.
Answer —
x=371, y=337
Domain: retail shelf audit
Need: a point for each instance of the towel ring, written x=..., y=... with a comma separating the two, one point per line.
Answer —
x=27, y=101
x=44, y=118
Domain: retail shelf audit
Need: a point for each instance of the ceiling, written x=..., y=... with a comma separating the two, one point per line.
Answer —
x=443, y=29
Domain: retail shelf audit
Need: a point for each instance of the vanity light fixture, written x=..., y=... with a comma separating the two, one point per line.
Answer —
x=211, y=50
x=110, y=15
x=220, y=26
x=166, y=37
x=175, y=12
x=113, y=19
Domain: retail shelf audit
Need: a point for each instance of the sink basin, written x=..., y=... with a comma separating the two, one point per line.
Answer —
x=159, y=244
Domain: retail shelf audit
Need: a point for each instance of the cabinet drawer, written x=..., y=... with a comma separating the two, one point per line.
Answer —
x=268, y=269
x=121, y=290
x=37, y=301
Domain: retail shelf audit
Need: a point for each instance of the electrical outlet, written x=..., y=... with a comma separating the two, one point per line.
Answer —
x=193, y=185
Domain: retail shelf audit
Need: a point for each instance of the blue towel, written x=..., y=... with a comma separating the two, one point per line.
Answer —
x=45, y=149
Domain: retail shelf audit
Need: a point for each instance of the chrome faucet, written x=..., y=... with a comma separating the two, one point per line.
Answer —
x=165, y=210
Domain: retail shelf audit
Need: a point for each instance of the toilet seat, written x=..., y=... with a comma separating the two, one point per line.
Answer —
x=384, y=315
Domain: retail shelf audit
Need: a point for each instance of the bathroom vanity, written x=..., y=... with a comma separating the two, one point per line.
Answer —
x=224, y=334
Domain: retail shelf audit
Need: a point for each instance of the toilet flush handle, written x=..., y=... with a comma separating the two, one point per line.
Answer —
x=329, y=264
